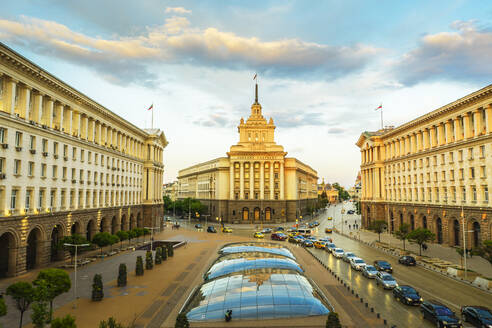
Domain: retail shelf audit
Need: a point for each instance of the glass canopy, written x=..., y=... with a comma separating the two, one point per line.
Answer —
x=248, y=262
x=262, y=249
x=264, y=294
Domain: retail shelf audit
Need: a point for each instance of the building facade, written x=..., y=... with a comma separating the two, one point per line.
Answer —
x=330, y=192
x=256, y=182
x=427, y=171
x=67, y=165
x=171, y=190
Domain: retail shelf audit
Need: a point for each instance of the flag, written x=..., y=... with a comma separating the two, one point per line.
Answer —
x=380, y=107
x=254, y=78
x=151, y=106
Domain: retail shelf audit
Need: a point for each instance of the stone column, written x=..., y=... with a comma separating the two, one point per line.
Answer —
x=477, y=117
x=457, y=130
x=467, y=127
x=413, y=142
x=251, y=180
x=433, y=137
x=440, y=130
x=489, y=118
x=11, y=88
x=262, y=180
x=49, y=112
x=271, y=181
x=23, y=102
x=231, y=180
x=37, y=107
x=282, y=180
x=241, y=180
x=449, y=131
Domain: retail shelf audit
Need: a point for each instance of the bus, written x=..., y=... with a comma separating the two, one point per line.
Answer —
x=304, y=232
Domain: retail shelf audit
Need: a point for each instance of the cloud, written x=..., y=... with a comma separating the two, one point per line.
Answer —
x=177, y=10
x=295, y=119
x=336, y=131
x=130, y=59
x=463, y=54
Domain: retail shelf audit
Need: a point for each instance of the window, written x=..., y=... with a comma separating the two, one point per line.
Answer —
x=485, y=194
x=453, y=191
x=55, y=148
x=72, y=194
x=30, y=169
x=443, y=175
x=63, y=198
x=434, y=160
x=81, y=174
x=13, y=199
x=2, y=164
x=43, y=170
x=472, y=173
x=28, y=199
x=95, y=158
x=437, y=194
x=474, y=193
x=102, y=159
x=64, y=172
x=89, y=157
x=463, y=194
x=32, y=142
x=3, y=134
x=73, y=173
x=482, y=151
x=74, y=153
x=483, y=172
x=18, y=139
x=45, y=145
x=41, y=198
x=470, y=153
x=460, y=155
x=462, y=174
x=451, y=157
x=17, y=166
x=52, y=197
x=443, y=160
x=82, y=153
x=451, y=175
x=427, y=161
x=54, y=171
x=65, y=150
x=435, y=176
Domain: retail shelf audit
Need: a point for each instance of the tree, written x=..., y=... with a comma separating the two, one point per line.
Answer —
x=113, y=239
x=66, y=322
x=145, y=232
x=357, y=208
x=182, y=321
x=402, y=233
x=97, y=288
x=333, y=321
x=420, y=236
x=3, y=307
x=40, y=313
x=102, y=239
x=122, y=275
x=139, y=269
x=158, y=255
x=23, y=293
x=112, y=323
x=131, y=234
x=378, y=226
x=57, y=281
x=342, y=193
x=75, y=239
x=122, y=235
x=137, y=232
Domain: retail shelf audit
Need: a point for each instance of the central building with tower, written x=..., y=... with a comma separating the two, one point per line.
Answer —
x=256, y=182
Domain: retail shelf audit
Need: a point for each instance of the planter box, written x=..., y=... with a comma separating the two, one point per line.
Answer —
x=482, y=282
x=458, y=273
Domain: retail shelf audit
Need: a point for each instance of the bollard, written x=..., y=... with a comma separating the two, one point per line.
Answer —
x=372, y=309
x=366, y=305
x=356, y=295
x=378, y=315
x=385, y=322
x=352, y=292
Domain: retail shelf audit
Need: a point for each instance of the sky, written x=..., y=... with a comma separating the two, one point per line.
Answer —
x=323, y=66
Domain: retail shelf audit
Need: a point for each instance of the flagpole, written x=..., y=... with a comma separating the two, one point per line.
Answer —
x=152, y=124
x=382, y=127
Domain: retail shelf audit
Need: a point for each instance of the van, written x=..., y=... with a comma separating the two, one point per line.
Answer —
x=304, y=232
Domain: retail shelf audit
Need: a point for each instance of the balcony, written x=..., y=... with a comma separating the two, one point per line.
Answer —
x=32, y=151
x=45, y=153
x=18, y=148
x=55, y=156
x=5, y=145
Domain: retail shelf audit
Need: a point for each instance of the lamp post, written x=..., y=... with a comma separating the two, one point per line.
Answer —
x=463, y=219
x=75, y=270
x=151, y=235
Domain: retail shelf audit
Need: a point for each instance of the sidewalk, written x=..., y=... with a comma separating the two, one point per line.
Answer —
x=476, y=263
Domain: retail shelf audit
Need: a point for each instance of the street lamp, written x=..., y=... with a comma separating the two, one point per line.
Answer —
x=75, y=270
x=464, y=238
x=151, y=235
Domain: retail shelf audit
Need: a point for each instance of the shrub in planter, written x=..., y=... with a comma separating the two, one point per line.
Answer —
x=164, y=253
x=170, y=250
x=158, y=255
x=182, y=321
x=122, y=275
x=333, y=321
x=139, y=269
x=97, y=288
x=149, y=261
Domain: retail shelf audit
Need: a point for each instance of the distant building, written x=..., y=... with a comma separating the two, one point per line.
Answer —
x=171, y=190
x=256, y=181
x=427, y=171
x=331, y=193
x=355, y=191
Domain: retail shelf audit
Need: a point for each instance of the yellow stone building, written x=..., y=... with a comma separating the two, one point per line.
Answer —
x=67, y=165
x=426, y=171
x=256, y=181
x=331, y=193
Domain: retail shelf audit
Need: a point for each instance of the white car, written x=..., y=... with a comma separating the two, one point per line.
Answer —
x=386, y=280
x=338, y=253
x=347, y=255
x=357, y=263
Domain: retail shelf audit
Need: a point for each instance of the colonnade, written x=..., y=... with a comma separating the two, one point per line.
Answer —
x=270, y=185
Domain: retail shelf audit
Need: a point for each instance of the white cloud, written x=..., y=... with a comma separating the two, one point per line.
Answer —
x=464, y=54
x=176, y=24
x=177, y=10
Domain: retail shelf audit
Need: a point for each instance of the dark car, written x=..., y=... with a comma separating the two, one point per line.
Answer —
x=211, y=229
x=407, y=260
x=383, y=266
x=350, y=212
x=279, y=236
x=198, y=226
x=478, y=316
x=307, y=243
x=407, y=295
x=439, y=314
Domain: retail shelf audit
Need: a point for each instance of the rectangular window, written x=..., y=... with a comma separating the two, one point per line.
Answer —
x=453, y=191
x=443, y=175
x=451, y=157
x=17, y=166
x=96, y=158
x=64, y=172
x=470, y=153
x=18, y=139
x=45, y=145
x=486, y=194
x=52, y=197
x=460, y=155
x=442, y=159
x=81, y=174
x=28, y=199
x=41, y=198
x=63, y=198
x=30, y=169
x=82, y=153
x=462, y=174
x=463, y=194
x=2, y=164
x=482, y=151
x=65, y=150
x=3, y=133
x=89, y=157
x=73, y=173
x=74, y=153
x=472, y=173
x=55, y=148
x=43, y=170
x=54, y=171
x=451, y=175
x=32, y=142
x=474, y=193
x=13, y=199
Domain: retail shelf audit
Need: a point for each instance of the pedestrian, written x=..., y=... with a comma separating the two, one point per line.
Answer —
x=424, y=246
x=350, y=227
x=470, y=253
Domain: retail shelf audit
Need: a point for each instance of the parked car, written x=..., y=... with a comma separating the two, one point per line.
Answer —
x=226, y=229
x=316, y=223
x=338, y=253
x=478, y=316
x=326, y=240
x=279, y=229
x=198, y=226
x=357, y=263
x=307, y=243
x=278, y=236
x=386, y=280
x=350, y=212
x=329, y=247
x=347, y=255
x=328, y=230
x=407, y=295
x=320, y=244
x=439, y=314
x=258, y=235
x=266, y=230
x=211, y=229
x=407, y=260
x=383, y=266
x=369, y=271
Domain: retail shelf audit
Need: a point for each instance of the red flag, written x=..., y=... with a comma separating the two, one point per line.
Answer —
x=151, y=106
x=380, y=107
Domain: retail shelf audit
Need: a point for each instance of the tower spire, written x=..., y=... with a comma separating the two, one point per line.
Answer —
x=256, y=93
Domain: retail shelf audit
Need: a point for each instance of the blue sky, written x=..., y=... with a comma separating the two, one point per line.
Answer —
x=323, y=65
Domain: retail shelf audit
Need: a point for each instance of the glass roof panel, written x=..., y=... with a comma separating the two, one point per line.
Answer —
x=251, y=248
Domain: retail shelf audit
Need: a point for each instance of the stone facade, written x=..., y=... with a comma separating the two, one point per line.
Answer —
x=67, y=165
x=256, y=182
x=433, y=172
